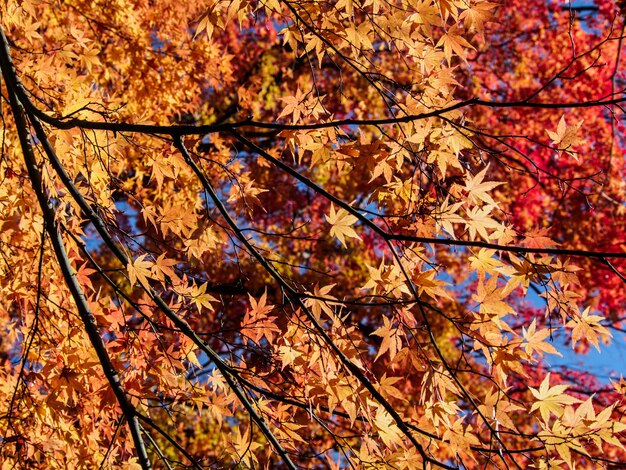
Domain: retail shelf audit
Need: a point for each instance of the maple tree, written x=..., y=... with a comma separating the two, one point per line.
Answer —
x=334, y=234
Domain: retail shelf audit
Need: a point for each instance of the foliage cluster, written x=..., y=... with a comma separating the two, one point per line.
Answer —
x=329, y=234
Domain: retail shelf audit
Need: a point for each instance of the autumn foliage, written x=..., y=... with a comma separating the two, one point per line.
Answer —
x=311, y=234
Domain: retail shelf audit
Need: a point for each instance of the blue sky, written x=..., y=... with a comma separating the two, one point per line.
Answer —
x=607, y=364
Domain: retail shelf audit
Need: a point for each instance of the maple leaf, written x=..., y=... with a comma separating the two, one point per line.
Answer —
x=201, y=299
x=448, y=8
x=479, y=220
x=460, y=436
x=322, y=301
x=162, y=268
x=294, y=105
x=538, y=238
x=386, y=427
x=250, y=193
x=566, y=136
x=551, y=400
x=256, y=322
x=76, y=107
x=477, y=14
x=498, y=409
x=288, y=354
x=391, y=339
x=444, y=158
x=453, y=41
x=448, y=215
x=386, y=387
x=82, y=276
x=187, y=349
x=178, y=220
x=243, y=449
x=477, y=189
x=140, y=270
x=588, y=327
x=388, y=280
x=346, y=5
x=206, y=23
x=358, y=37
x=559, y=438
x=484, y=262
x=565, y=273
x=534, y=340
x=341, y=222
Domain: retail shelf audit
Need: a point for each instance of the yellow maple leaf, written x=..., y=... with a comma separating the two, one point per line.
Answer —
x=551, y=400
x=139, y=270
x=479, y=220
x=341, y=222
x=484, y=262
x=477, y=189
x=387, y=428
x=243, y=448
x=201, y=299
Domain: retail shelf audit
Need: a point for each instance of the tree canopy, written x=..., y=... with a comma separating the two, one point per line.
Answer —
x=296, y=234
